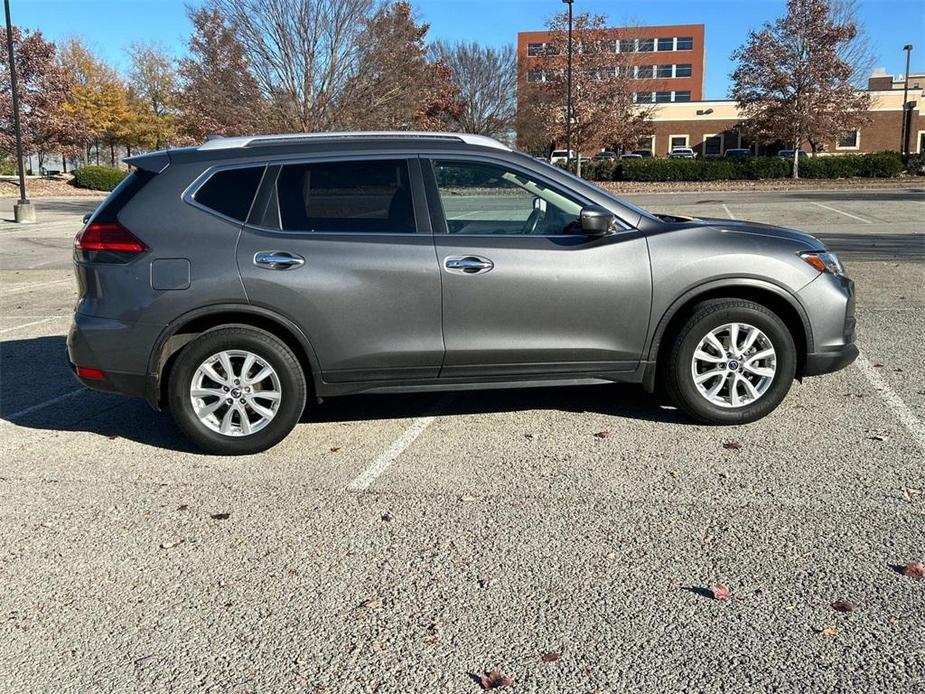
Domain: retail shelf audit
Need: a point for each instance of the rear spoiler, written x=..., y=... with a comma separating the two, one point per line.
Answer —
x=155, y=162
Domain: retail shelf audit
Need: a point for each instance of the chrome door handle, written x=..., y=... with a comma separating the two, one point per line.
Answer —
x=468, y=265
x=278, y=260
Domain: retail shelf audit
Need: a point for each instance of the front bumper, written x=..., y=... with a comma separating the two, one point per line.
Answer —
x=119, y=350
x=819, y=363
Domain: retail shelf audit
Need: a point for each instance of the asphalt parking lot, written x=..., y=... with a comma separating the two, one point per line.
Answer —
x=403, y=543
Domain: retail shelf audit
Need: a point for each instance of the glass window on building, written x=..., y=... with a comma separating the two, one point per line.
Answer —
x=536, y=76
x=848, y=140
x=534, y=49
x=627, y=45
x=712, y=145
x=682, y=96
x=644, y=97
x=664, y=71
x=644, y=72
x=646, y=45
x=678, y=141
x=666, y=43
x=682, y=71
x=685, y=43
x=662, y=97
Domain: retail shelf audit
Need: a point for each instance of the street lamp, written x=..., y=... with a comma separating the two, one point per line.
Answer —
x=23, y=210
x=904, y=145
x=568, y=99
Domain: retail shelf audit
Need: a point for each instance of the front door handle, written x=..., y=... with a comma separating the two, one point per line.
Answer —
x=278, y=260
x=468, y=265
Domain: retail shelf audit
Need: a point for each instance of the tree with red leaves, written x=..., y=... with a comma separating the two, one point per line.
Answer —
x=794, y=79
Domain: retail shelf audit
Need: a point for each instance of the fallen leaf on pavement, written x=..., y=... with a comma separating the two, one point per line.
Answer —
x=826, y=631
x=720, y=591
x=334, y=449
x=372, y=603
x=388, y=517
x=732, y=445
x=914, y=569
x=842, y=606
x=550, y=657
x=494, y=680
x=602, y=435
x=220, y=516
x=183, y=507
x=171, y=543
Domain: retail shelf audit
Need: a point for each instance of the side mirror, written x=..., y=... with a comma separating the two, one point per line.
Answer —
x=596, y=220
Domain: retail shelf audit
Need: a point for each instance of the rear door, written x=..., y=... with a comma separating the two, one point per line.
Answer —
x=525, y=291
x=342, y=246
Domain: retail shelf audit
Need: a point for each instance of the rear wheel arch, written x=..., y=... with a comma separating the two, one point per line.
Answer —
x=190, y=326
x=780, y=301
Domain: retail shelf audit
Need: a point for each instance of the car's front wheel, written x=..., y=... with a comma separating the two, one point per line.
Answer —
x=732, y=362
x=236, y=390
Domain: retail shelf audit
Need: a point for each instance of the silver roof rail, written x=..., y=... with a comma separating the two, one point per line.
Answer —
x=254, y=140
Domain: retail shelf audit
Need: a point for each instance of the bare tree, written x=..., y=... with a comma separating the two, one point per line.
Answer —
x=303, y=53
x=795, y=78
x=487, y=82
x=603, y=83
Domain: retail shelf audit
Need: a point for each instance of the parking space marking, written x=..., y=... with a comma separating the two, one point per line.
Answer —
x=728, y=211
x=893, y=401
x=846, y=214
x=28, y=325
x=34, y=285
x=10, y=419
x=363, y=481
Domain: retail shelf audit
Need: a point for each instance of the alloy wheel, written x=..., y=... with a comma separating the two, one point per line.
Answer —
x=734, y=365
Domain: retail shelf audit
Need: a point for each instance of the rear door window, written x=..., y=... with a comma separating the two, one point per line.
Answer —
x=371, y=196
x=230, y=191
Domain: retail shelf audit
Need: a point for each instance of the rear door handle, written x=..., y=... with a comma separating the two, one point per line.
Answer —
x=278, y=260
x=468, y=265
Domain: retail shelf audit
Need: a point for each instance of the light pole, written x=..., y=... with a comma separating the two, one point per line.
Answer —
x=903, y=146
x=568, y=98
x=23, y=210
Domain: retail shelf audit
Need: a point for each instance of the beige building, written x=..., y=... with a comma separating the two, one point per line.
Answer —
x=712, y=127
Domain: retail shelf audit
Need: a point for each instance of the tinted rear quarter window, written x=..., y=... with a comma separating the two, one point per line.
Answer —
x=230, y=192
x=372, y=196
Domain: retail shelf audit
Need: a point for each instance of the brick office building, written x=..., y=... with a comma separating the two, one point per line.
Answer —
x=712, y=127
x=668, y=60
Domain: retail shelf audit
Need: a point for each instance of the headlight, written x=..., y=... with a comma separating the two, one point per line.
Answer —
x=824, y=261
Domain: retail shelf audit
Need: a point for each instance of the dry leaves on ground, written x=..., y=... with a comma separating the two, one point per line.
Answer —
x=842, y=606
x=720, y=591
x=494, y=680
x=914, y=569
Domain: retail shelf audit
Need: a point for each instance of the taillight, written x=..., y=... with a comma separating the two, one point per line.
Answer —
x=108, y=236
x=90, y=374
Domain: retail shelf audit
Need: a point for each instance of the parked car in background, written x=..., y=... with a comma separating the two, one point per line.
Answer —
x=631, y=155
x=605, y=156
x=561, y=156
x=788, y=154
x=682, y=153
x=738, y=153
x=237, y=281
x=644, y=153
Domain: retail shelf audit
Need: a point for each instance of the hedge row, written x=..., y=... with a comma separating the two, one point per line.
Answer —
x=98, y=177
x=879, y=165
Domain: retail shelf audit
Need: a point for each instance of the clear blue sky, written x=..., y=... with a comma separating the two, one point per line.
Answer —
x=109, y=26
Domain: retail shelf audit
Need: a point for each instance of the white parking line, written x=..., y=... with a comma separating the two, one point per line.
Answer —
x=35, y=322
x=32, y=285
x=893, y=401
x=846, y=214
x=362, y=481
x=11, y=418
x=728, y=211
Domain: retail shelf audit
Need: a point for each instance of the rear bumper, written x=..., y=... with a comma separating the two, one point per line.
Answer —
x=119, y=350
x=819, y=363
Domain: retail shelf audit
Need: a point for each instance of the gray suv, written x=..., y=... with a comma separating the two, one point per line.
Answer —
x=233, y=281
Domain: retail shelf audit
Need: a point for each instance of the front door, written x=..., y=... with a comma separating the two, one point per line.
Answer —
x=344, y=249
x=524, y=290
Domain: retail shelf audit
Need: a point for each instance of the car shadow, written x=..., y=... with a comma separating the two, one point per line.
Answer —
x=50, y=399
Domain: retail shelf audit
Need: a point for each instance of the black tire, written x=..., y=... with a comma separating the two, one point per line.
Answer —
x=267, y=347
x=707, y=316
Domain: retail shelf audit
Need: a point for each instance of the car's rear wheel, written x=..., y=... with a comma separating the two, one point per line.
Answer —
x=236, y=390
x=732, y=362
